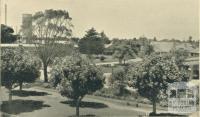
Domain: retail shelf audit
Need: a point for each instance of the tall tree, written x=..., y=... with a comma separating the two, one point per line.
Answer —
x=105, y=38
x=7, y=35
x=91, y=43
x=152, y=76
x=48, y=27
x=78, y=77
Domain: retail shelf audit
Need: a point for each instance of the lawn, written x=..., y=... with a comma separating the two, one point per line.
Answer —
x=47, y=103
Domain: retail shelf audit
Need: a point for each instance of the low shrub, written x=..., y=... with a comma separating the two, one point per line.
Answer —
x=102, y=58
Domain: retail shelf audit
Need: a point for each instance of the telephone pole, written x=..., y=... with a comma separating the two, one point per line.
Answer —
x=5, y=14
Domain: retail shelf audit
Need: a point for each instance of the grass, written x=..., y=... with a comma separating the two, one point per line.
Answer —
x=25, y=93
x=54, y=105
x=108, y=69
x=86, y=104
x=125, y=102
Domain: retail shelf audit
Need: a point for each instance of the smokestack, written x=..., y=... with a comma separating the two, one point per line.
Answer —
x=5, y=14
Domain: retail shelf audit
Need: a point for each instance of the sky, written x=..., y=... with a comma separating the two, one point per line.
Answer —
x=118, y=18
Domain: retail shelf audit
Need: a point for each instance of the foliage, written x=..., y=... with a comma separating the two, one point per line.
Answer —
x=123, y=52
x=119, y=75
x=91, y=43
x=180, y=56
x=140, y=47
x=120, y=81
x=78, y=77
x=17, y=67
x=7, y=35
x=102, y=58
x=7, y=68
x=146, y=47
x=105, y=38
x=152, y=76
x=75, y=40
x=27, y=67
x=50, y=26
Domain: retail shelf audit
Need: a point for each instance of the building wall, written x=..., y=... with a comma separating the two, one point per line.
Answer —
x=27, y=27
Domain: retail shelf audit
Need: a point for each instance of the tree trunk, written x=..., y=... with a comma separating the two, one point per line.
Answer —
x=45, y=73
x=77, y=107
x=10, y=95
x=154, y=107
x=124, y=61
x=20, y=85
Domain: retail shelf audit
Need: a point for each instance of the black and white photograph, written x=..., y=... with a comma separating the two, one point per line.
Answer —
x=99, y=58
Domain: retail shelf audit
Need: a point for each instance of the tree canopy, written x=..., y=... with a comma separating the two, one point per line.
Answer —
x=180, y=56
x=78, y=77
x=7, y=35
x=91, y=43
x=105, y=38
x=123, y=52
x=18, y=66
x=152, y=76
x=49, y=27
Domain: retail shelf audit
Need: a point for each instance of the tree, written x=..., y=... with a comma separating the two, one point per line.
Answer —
x=77, y=77
x=7, y=35
x=119, y=79
x=123, y=52
x=180, y=56
x=17, y=67
x=147, y=48
x=152, y=76
x=7, y=68
x=27, y=67
x=48, y=27
x=91, y=43
x=105, y=38
x=75, y=39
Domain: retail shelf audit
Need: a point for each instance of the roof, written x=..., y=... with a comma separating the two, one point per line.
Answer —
x=168, y=46
x=192, y=61
x=196, y=50
x=162, y=46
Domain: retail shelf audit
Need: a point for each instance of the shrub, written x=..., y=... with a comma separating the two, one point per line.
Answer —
x=102, y=58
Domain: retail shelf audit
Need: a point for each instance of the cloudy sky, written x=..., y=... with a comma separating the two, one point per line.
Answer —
x=119, y=18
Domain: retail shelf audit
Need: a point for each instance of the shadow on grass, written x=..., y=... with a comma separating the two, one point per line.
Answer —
x=20, y=106
x=166, y=115
x=84, y=104
x=84, y=115
x=25, y=93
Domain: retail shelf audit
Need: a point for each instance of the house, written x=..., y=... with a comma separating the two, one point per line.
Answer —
x=194, y=52
x=192, y=64
x=162, y=47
